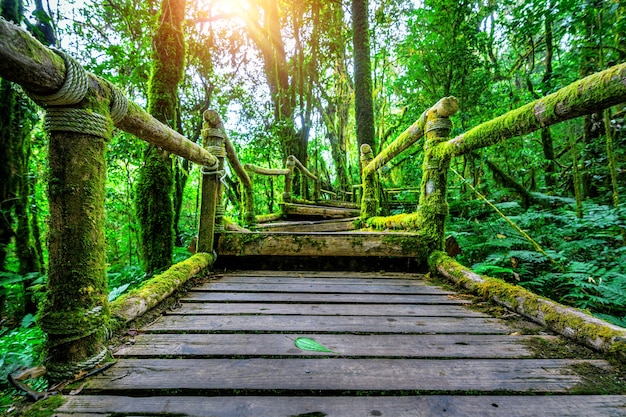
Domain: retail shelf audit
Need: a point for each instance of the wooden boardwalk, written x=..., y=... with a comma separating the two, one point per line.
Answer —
x=404, y=348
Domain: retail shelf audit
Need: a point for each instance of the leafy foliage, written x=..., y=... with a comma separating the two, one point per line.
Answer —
x=590, y=268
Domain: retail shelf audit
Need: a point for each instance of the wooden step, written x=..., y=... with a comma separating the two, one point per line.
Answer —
x=346, y=244
x=309, y=211
x=334, y=225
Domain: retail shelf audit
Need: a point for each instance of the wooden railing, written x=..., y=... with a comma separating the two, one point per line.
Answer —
x=81, y=113
x=595, y=92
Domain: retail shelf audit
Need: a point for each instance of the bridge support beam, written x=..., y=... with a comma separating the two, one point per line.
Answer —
x=432, y=208
x=369, y=201
x=75, y=313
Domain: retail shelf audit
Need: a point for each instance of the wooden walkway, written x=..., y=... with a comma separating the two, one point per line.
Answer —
x=404, y=348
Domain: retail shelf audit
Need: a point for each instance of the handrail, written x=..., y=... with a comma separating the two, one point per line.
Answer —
x=597, y=91
x=407, y=138
x=43, y=72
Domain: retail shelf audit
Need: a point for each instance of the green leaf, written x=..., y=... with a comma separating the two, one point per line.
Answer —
x=305, y=343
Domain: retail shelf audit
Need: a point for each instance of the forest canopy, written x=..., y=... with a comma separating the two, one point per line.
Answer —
x=317, y=79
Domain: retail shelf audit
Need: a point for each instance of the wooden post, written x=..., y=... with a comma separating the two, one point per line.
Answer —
x=217, y=147
x=432, y=209
x=317, y=187
x=212, y=140
x=75, y=313
x=369, y=204
x=291, y=167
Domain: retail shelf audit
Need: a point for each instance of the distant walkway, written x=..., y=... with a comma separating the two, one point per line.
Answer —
x=403, y=348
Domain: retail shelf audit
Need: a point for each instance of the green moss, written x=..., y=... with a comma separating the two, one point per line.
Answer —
x=597, y=381
x=567, y=321
x=46, y=407
x=156, y=289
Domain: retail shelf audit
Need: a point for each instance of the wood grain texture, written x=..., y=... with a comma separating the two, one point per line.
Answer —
x=335, y=225
x=360, y=310
x=303, y=298
x=408, y=288
x=355, y=244
x=405, y=406
x=453, y=375
x=348, y=345
x=328, y=324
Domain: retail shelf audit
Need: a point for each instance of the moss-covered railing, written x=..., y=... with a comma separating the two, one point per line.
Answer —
x=82, y=111
x=291, y=165
x=591, y=94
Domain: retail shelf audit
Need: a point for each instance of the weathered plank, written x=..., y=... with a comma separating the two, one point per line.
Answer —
x=324, y=274
x=403, y=406
x=454, y=375
x=357, y=244
x=273, y=297
x=329, y=324
x=316, y=280
x=408, y=288
x=348, y=345
x=335, y=225
x=326, y=212
x=327, y=310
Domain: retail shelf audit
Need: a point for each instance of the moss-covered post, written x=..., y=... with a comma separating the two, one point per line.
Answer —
x=212, y=140
x=291, y=167
x=75, y=312
x=216, y=137
x=317, y=187
x=432, y=208
x=369, y=204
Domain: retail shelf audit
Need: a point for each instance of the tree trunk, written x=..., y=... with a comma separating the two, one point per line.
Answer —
x=153, y=199
x=364, y=106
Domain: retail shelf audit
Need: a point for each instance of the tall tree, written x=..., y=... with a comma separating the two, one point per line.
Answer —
x=154, y=187
x=364, y=106
x=17, y=118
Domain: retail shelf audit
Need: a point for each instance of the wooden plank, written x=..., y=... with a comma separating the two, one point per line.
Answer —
x=329, y=324
x=409, y=288
x=335, y=225
x=454, y=375
x=348, y=345
x=315, y=280
x=352, y=244
x=324, y=274
x=326, y=310
x=436, y=405
x=326, y=212
x=271, y=297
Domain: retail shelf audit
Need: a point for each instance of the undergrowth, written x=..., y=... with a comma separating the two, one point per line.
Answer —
x=586, y=267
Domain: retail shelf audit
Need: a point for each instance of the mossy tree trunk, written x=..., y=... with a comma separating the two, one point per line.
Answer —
x=153, y=199
x=17, y=117
x=432, y=208
x=365, y=132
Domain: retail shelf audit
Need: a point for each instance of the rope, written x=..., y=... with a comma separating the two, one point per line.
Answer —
x=73, y=324
x=78, y=121
x=67, y=371
x=220, y=209
x=217, y=150
x=442, y=123
x=119, y=104
x=74, y=86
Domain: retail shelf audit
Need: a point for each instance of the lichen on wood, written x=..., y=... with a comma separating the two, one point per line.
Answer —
x=75, y=310
x=567, y=321
x=593, y=93
x=432, y=208
x=369, y=201
x=136, y=302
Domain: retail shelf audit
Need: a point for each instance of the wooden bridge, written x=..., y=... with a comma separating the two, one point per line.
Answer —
x=400, y=347
x=386, y=343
